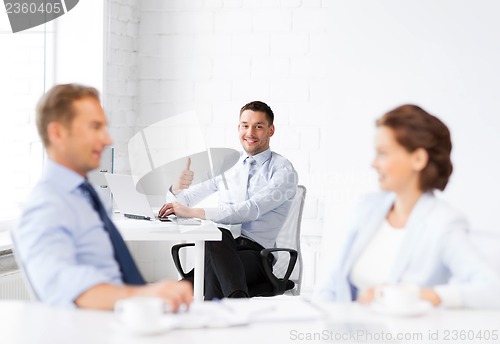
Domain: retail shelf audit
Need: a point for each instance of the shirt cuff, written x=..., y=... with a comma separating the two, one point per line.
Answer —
x=450, y=295
x=211, y=213
x=170, y=197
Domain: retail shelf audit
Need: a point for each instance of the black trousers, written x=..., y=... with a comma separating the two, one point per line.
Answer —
x=232, y=265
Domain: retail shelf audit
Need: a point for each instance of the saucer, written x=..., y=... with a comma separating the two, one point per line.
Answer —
x=418, y=308
x=163, y=325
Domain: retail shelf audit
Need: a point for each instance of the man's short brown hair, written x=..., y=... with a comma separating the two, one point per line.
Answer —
x=258, y=106
x=57, y=106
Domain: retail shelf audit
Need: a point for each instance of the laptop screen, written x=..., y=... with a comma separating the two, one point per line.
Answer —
x=130, y=202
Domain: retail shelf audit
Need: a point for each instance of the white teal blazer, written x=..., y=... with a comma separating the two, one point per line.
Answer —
x=436, y=253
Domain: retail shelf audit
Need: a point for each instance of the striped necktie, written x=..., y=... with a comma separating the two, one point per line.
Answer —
x=242, y=192
x=243, y=187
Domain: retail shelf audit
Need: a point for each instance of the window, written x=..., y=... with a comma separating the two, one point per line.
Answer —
x=30, y=63
x=26, y=68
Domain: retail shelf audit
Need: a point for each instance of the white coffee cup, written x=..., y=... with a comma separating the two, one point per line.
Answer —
x=397, y=296
x=140, y=313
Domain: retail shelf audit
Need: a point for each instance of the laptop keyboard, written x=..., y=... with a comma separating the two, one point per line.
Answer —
x=188, y=221
x=185, y=220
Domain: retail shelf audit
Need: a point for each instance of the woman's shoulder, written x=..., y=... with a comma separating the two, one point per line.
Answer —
x=437, y=216
x=446, y=211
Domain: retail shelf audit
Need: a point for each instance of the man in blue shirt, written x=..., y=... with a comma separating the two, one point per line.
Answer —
x=68, y=248
x=255, y=195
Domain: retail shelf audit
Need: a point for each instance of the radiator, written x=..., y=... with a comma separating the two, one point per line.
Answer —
x=12, y=286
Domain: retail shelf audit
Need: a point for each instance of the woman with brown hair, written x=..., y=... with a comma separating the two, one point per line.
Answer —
x=405, y=234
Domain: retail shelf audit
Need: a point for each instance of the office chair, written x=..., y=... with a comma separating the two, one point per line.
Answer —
x=27, y=282
x=286, y=274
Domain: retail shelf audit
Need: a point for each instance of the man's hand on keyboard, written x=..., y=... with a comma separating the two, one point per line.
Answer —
x=180, y=210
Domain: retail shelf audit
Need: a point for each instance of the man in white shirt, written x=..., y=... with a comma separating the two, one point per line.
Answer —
x=261, y=207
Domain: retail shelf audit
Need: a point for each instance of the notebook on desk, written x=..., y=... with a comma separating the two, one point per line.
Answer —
x=130, y=202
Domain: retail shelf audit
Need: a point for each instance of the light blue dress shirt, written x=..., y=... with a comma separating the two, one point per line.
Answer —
x=61, y=241
x=271, y=187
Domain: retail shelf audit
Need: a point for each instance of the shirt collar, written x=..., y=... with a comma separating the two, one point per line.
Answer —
x=260, y=158
x=64, y=177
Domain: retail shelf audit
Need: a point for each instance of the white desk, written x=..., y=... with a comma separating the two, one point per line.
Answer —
x=34, y=323
x=140, y=230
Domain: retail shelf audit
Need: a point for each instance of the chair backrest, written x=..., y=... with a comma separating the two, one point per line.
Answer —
x=27, y=282
x=289, y=237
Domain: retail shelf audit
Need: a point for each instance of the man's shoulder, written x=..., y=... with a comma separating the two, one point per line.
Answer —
x=48, y=207
x=280, y=160
x=44, y=197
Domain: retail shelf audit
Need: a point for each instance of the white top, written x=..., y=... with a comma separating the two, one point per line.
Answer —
x=373, y=266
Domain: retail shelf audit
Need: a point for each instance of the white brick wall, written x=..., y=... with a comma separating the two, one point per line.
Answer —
x=121, y=96
x=121, y=89
x=215, y=56
x=22, y=70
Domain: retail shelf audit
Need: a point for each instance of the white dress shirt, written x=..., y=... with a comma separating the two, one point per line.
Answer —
x=271, y=187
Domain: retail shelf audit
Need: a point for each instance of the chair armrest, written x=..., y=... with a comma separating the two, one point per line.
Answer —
x=176, y=258
x=278, y=283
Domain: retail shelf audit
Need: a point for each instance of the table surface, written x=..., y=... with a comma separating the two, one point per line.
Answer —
x=23, y=322
x=142, y=230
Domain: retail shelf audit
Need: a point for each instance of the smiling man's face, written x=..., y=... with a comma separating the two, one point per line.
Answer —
x=255, y=131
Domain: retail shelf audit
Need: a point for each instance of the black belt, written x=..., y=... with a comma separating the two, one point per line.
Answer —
x=243, y=243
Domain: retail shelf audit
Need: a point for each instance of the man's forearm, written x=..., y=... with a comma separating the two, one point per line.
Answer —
x=199, y=213
x=104, y=296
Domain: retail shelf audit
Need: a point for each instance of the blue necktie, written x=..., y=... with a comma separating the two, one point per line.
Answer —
x=130, y=272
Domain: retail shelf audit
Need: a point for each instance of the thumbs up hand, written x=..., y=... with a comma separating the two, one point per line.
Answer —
x=185, y=179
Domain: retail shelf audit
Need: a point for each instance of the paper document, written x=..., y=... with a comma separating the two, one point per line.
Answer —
x=237, y=312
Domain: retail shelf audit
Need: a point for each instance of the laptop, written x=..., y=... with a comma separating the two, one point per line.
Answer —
x=130, y=202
